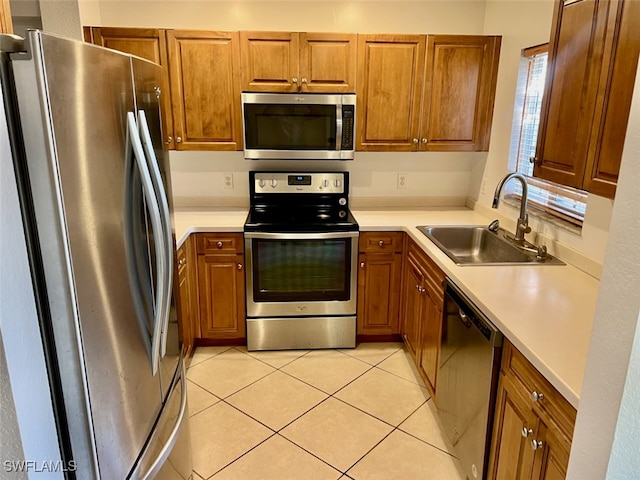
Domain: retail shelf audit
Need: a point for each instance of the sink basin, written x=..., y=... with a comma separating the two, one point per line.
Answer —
x=477, y=245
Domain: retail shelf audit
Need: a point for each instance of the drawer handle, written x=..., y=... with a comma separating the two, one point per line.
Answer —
x=526, y=432
x=381, y=243
x=219, y=244
x=537, y=397
x=239, y=266
x=536, y=444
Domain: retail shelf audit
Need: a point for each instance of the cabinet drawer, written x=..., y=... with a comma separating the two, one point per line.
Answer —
x=376, y=242
x=552, y=406
x=220, y=243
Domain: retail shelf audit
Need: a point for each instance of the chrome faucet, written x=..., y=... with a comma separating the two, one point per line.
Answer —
x=522, y=226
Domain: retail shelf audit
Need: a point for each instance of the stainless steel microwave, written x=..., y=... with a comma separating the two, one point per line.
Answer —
x=298, y=126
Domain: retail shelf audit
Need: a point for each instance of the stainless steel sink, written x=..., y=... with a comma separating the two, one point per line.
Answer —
x=477, y=245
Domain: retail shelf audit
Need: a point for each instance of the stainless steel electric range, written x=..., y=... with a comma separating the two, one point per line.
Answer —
x=301, y=247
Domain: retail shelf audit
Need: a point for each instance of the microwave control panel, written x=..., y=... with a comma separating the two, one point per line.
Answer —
x=348, y=116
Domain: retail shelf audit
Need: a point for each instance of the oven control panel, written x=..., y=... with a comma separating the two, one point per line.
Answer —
x=280, y=182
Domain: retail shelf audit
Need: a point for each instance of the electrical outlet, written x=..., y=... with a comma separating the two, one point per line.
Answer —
x=228, y=180
x=402, y=180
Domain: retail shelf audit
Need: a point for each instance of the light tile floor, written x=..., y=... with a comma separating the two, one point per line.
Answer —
x=322, y=414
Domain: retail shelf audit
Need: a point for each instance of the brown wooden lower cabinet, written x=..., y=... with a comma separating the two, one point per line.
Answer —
x=533, y=424
x=221, y=290
x=423, y=298
x=185, y=256
x=379, y=276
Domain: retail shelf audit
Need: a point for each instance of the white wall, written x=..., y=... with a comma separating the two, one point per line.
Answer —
x=364, y=16
x=609, y=363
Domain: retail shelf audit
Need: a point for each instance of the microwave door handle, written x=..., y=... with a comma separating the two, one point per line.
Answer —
x=339, y=127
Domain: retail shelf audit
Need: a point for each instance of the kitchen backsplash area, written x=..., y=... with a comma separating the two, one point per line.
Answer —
x=200, y=179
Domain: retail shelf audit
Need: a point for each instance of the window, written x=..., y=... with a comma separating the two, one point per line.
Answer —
x=566, y=203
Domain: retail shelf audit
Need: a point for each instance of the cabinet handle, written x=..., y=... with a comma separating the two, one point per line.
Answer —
x=304, y=79
x=239, y=266
x=181, y=262
x=219, y=244
x=381, y=243
x=424, y=140
x=361, y=264
x=415, y=141
x=179, y=139
x=526, y=432
x=533, y=160
x=294, y=79
x=537, y=397
x=536, y=444
x=157, y=91
x=169, y=140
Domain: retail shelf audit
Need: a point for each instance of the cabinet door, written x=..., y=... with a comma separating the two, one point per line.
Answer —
x=612, y=113
x=459, y=92
x=551, y=454
x=431, y=336
x=328, y=62
x=413, y=307
x=205, y=92
x=270, y=61
x=184, y=310
x=379, y=293
x=511, y=455
x=221, y=289
x=148, y=43
x=389, y=83
x=575, y=60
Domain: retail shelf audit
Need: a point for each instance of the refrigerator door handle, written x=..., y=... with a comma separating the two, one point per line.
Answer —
x=158, y=239
x=156, y=178
x=166, y=450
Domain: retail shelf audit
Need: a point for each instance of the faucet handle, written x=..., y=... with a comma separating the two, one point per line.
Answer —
x=494, y=226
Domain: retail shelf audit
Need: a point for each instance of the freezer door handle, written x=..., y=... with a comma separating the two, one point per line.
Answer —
x=156, y=178
x=158, y=238
x=166, y=450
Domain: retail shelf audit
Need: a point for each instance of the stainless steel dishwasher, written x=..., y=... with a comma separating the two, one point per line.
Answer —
x=469, y=365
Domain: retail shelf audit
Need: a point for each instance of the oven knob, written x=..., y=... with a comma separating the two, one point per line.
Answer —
x=342, y=214
x=262, y=183
x=342, y=201
x=274, y=182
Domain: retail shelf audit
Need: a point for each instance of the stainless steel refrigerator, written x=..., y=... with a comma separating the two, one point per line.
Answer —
x=92, y=179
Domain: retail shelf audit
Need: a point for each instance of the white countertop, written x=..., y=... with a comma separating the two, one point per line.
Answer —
x=545, y=311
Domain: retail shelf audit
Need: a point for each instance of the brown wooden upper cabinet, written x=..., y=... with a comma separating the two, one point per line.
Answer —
x=148, y=43
x=205, y=89
x=593, y=56
x=298, y=62
x=426, y=93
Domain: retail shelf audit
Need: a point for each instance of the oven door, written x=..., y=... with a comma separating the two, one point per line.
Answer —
x=301, y=274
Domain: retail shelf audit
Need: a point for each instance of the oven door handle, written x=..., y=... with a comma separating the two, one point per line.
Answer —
x=301, y=236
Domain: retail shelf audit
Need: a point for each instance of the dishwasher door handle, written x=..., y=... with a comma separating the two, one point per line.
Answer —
x=465, y=320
